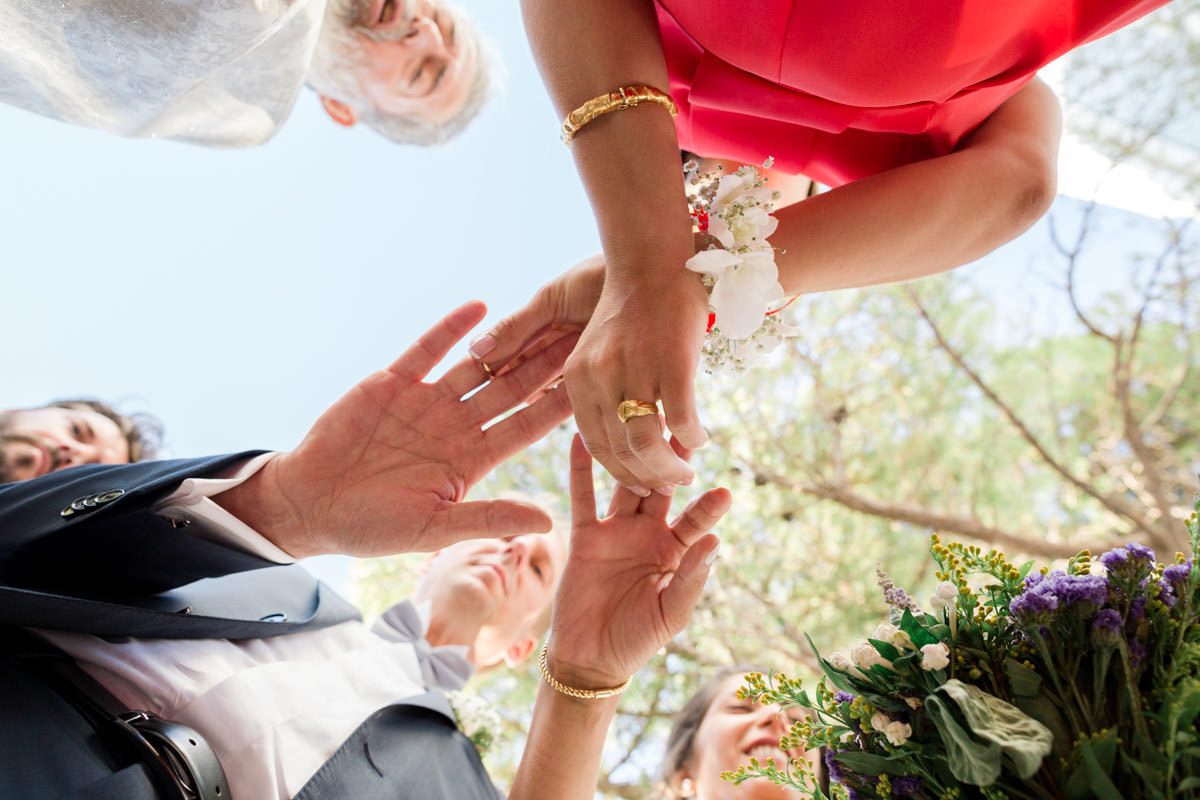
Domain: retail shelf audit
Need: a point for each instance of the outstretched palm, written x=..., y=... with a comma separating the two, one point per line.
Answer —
x=385, y=469
x=631, y=580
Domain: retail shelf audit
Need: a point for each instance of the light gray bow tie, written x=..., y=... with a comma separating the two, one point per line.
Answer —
x=445, y=667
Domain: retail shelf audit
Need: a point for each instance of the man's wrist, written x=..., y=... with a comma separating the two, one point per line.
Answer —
x=260, y=503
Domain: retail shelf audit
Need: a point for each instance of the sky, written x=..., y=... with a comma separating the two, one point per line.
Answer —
x=235, y=294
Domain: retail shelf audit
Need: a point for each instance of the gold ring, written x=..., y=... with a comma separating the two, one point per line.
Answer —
x=487, y=369
x=628, y=409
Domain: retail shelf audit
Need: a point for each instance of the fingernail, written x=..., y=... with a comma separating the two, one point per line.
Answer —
x=687, y=481
x=482, y=345
x=711, y=557
x=640, y=491
x=667, y=490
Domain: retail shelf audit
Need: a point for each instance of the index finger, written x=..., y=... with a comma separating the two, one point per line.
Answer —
x=424, y=354
x=678, y=393
x=583, y=492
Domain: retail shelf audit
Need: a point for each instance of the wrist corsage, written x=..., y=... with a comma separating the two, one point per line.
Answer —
x=476, y=719
x=740, y=274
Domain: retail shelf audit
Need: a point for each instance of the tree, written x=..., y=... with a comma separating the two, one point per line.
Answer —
x=1071, y=420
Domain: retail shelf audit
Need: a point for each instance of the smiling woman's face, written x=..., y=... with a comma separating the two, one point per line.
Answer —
x=731, y=733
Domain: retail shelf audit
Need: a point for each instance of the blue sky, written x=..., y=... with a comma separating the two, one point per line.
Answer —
x=237, y=293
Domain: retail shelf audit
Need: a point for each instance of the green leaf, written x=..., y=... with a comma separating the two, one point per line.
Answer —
x=1187, y=784
x=1100, y=784
x=885, y=649
x=919, y=633
x=868, y=763
x=1023, y=739
x=971, y=761
x=1022, y=680
x=1024, y=570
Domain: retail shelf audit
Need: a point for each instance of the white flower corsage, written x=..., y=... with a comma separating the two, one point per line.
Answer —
x=476, y=719
x=740, y=275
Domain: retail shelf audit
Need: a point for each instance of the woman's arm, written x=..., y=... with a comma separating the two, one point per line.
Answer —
x=629, y=585
x=644, y=340
x=930, y=216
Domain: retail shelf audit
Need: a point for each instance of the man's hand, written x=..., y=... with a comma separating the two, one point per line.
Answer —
x=631, y=579
x=385, y=469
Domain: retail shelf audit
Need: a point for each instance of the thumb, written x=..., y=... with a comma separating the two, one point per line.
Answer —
x=514, y=334
x=483, y=519
x=681, y=594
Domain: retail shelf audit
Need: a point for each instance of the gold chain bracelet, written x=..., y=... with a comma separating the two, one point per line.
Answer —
x=623, y=97
x=571, y=691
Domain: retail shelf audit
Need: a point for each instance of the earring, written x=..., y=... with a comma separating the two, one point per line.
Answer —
x=687, y=788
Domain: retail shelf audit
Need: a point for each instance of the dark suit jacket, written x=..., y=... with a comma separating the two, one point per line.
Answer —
x=81, y=550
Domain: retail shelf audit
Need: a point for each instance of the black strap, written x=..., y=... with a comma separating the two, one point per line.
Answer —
x=181, y=761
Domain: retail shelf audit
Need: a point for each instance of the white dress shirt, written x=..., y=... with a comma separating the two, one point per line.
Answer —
x=213, y=72
x=274, y=710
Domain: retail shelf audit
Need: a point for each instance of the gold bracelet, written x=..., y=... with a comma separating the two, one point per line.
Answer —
x=623, y=97
x=571, y=691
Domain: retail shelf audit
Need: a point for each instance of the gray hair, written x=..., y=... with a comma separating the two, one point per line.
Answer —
x=334, y=73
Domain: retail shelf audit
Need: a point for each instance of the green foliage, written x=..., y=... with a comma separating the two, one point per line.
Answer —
x=1065, y=684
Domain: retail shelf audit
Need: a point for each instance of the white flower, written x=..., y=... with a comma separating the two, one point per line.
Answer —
x=741, y=296
x=713, y=262
x=839, y=660
x=880, y=721
x=884, y=632
x=914, y=702
x=935, y=656
x=476, y=719
x=866, y=656
x=944, y=596
x=897, y=733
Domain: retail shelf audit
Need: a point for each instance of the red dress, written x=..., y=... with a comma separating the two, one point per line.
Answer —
x=841, y=89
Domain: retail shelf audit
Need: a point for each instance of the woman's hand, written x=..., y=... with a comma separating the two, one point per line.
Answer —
x=630, y=581
x=642, y=343
x=559, y=308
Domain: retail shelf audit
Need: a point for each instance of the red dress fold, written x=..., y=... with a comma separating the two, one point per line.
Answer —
x=841, y=90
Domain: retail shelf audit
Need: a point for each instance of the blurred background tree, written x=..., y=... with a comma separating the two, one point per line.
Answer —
x=1042, y=421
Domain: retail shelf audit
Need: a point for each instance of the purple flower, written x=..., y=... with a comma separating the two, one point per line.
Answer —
x=1128, y=562
x=1138, y=651
x=1107, y=620
x=1137, y=609
x=1166, y=593
x=1140, y=551
x=843, y=697
x=833, y=767
x=1045, y=593
x=907, y=786
x=1176, y=574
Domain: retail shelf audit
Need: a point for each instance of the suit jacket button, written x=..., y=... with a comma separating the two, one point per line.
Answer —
x=89, y=502
x=78, y=505
x=109, y=496
x=66, y=512
x=276, y=617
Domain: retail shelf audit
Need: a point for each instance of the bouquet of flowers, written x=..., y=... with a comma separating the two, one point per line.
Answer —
x=1016, y=683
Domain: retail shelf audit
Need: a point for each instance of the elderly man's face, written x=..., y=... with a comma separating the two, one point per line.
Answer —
x=499, y=587
x=406, y=55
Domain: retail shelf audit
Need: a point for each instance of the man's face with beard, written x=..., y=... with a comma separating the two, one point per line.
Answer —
x=401, y=57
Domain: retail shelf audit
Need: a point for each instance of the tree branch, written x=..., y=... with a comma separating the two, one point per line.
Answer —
x=1114, y=504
